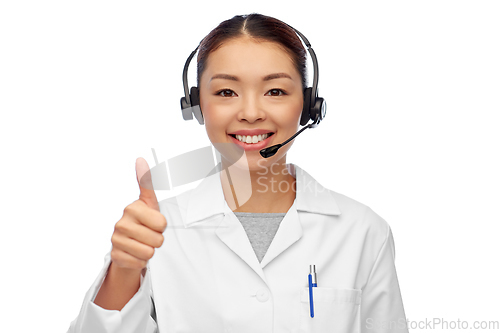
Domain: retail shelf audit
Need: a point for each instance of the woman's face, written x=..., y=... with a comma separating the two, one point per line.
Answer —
x=249, y=85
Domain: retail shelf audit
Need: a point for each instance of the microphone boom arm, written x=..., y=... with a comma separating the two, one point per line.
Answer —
x=270, y=151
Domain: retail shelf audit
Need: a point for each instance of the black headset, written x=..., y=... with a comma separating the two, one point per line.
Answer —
x=314, y=107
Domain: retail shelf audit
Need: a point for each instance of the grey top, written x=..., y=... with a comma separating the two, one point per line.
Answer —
x=260, y=229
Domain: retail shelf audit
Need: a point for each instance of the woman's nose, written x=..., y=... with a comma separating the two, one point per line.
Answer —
x=251, y=110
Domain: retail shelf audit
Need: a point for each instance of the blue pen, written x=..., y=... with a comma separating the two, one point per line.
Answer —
x=312, y=283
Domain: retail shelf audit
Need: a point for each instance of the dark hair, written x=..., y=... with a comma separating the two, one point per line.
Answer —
x=256, y=26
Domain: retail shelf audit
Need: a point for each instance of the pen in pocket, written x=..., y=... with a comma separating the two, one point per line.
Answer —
x=312, y=283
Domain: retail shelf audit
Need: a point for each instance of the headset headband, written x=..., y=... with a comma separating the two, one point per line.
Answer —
x=301, y=36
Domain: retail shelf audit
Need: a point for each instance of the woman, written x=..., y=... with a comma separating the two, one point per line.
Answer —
x=235, y=253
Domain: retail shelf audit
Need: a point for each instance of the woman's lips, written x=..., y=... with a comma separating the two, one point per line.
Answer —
x=253, y=146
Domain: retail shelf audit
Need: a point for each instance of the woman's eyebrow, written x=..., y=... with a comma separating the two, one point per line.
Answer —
x=225, y=77
x=276, y=76
x=265, y=78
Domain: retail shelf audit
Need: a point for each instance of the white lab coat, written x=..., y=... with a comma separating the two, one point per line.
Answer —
x=207, y=278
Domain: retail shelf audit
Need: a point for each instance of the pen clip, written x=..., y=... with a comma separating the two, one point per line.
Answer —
x=312, y=269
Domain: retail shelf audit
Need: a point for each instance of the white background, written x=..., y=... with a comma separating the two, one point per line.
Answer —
x=412, y=130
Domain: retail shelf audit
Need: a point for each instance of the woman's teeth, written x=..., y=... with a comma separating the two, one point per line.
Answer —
x=252, y=139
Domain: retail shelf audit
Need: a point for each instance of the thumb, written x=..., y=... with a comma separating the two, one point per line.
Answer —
x=145, y=182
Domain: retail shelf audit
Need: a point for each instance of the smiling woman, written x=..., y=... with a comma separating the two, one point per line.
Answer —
x=233, y=254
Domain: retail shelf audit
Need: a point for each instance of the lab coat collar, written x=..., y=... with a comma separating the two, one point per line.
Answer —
x=207, y=199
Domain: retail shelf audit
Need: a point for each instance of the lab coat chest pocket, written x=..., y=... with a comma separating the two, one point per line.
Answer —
x=335, y=310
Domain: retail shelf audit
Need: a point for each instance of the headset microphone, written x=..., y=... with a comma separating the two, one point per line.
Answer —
x=270, y=151
x=314, y=106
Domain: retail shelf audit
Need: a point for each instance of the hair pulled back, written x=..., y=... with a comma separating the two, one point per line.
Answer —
x=256, y=26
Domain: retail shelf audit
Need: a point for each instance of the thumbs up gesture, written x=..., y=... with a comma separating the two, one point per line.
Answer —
x=140, y=230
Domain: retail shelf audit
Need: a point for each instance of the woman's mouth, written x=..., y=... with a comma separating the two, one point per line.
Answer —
x=252, y=142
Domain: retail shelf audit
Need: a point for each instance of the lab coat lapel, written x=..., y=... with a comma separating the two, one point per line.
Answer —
x=232, y=233
x=288, y=233
x=310, y=197
x=206, y=201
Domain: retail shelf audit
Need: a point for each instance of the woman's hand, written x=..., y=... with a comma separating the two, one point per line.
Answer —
x=140, y=230
x=136, y=235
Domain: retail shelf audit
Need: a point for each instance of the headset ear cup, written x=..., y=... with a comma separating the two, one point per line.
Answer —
x=195, y=104
x=307, y=107
x=195, y=96
x=320, y=108
x=186, y=109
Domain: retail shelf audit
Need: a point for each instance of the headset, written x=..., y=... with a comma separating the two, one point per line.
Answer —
x=314, y=107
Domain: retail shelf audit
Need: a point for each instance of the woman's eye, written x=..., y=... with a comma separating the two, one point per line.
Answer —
x=276, y=92
x=226, y=93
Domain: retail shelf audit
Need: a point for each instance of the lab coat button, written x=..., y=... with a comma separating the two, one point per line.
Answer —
x=262, y=295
